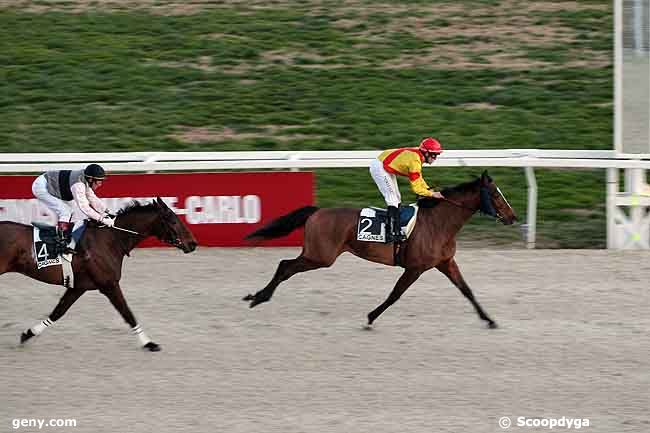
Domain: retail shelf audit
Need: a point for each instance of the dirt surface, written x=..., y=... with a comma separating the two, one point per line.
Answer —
x=573, y=342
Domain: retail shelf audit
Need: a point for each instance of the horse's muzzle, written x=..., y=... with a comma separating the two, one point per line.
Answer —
x=191, y=246
x=509, y=220
x=506, y=220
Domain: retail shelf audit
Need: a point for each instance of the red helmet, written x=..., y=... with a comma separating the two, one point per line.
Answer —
x=430, y=144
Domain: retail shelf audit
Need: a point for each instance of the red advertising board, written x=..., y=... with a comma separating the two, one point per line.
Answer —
x=219, y=208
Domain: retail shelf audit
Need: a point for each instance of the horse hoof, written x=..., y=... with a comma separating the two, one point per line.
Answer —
x=26, y=336
x=152, y=347
x=248, y=297
x=257, y=298
x=492, y=325
x=256, y=301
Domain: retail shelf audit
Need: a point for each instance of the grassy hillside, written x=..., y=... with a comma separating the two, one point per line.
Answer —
x=323, y=75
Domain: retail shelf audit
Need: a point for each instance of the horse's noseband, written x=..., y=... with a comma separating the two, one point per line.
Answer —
x=170, y=237
x=486, y=204
x=176, y=242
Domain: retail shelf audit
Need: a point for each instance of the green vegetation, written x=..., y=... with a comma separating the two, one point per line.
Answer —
x=84, y=76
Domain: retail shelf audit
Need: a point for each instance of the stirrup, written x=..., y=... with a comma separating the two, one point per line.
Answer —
x=398, y=236
x=63, y=245
x=68, y=250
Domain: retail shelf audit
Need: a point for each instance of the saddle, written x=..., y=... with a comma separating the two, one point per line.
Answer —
x=50, y=235
x=372, y=223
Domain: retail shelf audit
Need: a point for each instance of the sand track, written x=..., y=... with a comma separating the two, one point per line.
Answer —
x=574, y=341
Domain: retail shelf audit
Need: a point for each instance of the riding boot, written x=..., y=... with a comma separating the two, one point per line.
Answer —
x=65, y=235
x=389, y=226
x=393, y=217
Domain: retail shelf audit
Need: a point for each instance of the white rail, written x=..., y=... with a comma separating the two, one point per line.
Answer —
x=184, y=161
x=14, y=163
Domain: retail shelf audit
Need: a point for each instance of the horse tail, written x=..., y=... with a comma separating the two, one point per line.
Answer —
x=284, y=225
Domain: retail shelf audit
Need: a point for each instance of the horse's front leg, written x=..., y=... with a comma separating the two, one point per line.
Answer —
x=115, y=295
x=450, y=269
x=66, y=301
x=408, y=277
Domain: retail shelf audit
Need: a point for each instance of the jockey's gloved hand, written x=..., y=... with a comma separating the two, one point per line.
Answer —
x=108, y=221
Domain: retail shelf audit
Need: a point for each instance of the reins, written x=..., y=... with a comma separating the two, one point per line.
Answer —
x=460, y=205
x=122, y=230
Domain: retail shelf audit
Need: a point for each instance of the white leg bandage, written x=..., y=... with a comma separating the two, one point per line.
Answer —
x=142, y=337
x=40, y=327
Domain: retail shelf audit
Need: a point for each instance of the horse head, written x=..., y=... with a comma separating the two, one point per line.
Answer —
x=171, y=230
x=493, y=202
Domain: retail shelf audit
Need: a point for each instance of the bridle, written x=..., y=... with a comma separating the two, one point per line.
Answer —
x=169, y=236
x=485, y=204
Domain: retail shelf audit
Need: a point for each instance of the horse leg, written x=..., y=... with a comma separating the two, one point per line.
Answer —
x=286, y=269
x=66, y=301
x=408, y=277
x=115, y=295
x=450, y=269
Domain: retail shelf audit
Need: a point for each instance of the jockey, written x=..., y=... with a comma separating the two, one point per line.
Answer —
x=57, y=189
x=403, y=162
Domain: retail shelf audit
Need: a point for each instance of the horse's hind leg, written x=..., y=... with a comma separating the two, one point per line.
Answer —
x=450, y=269
x=408, y=277
x=115, y=295
x=66, y=301
x=286, y=269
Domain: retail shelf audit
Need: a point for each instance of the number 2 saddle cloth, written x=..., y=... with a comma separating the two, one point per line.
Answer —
x=372, y=222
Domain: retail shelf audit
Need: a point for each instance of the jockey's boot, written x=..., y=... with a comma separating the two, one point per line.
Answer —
x=65, y=235
x=389, y=227
x=393, y=217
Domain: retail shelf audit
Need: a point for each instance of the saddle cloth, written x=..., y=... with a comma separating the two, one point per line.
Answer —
x=372, y=222
x=46, y=252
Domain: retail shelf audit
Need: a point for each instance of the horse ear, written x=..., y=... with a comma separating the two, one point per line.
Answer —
x=485, y=177
x=159, y=202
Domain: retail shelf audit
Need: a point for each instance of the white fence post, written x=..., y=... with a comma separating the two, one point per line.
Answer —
x=612, y=192
x=531, y=216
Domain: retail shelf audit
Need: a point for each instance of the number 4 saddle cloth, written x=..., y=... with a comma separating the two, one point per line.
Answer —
x=47, y=253
x=372, y=222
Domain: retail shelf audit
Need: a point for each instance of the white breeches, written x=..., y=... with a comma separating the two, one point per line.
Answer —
x=386, y=182
x=63, y=210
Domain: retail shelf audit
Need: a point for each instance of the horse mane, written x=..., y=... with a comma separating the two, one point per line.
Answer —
x=430, y=202
x=133, y=207
x=136, y=206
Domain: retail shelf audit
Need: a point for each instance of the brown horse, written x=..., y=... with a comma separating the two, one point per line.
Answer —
x=331, y=232
x=97, y=264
